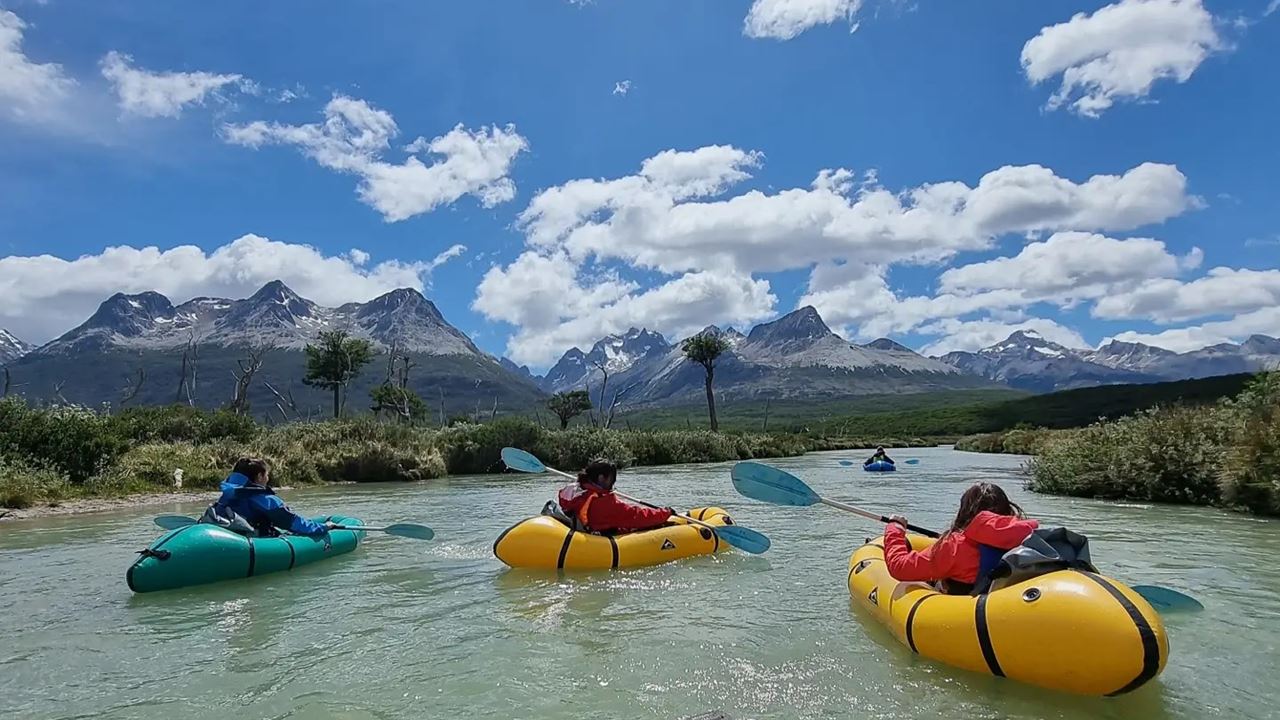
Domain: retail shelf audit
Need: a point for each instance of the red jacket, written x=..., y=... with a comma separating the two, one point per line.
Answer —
x=606, y=513
x=956, y=556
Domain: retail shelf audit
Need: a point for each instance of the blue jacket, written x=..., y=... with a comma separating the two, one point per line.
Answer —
x=264, y=510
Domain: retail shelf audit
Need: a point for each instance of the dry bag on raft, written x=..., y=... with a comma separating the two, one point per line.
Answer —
x=1045, y=550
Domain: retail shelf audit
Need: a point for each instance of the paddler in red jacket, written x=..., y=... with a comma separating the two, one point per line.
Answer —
x=593, y=503
x=986, y=517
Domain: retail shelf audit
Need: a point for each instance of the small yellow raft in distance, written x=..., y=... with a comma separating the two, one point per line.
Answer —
x=1065, y=630
x=545, y=542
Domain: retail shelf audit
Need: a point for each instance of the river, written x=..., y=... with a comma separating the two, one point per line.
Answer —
x=411, y=629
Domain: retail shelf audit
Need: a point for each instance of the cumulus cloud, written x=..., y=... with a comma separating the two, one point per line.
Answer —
x=1119, y=52
x=452, y=252
x=355, y=135
x=554, y=305
x=622, y=87
x=785, y=19
x=161, y=94
x=663, y=218
x=43, y=296
x=1222, y=291
x=29, y=91
x=1264, y=321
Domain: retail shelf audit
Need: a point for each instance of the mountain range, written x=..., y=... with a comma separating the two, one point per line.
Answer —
x=135, y=345
x=1028, y=361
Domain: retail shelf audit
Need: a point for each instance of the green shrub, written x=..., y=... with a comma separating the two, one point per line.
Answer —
x=1251, y=471
x=149, y=467
x=1165, y=455
x=24, y=484
x=348, y=451
x=180, y=423
x=75, y=442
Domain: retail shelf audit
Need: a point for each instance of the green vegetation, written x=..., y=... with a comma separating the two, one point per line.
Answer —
x=52, y=454
x=1018, y=441
x=569, y=405
x=1227, y=454
x=334, y=361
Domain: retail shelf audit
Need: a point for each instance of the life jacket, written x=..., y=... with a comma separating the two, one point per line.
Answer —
x=236, y=510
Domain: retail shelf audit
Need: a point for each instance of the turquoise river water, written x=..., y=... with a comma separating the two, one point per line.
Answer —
x=410, y=629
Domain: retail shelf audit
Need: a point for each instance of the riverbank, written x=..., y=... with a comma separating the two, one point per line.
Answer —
x=86, y=505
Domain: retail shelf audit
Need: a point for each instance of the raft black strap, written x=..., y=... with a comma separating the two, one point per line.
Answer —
x=252, y=556
x=984, y=637
x=1150, y=645
x=613, y=543
x=911, y=620
x=293, y=555
x=157, y=554
x=564, y=551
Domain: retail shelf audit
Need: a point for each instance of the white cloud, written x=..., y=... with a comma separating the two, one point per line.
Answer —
x=43, y=296
x=1271, y=8
x=622, y=87
x=1264, y=321
x=785, y=19
x=553, y=305
x=29, y=91
x=354, y=136
x=974, y=335
x=1223, y=291
x=662, y=218
x=1119, y=52
x=452, y=252
x=161, y=94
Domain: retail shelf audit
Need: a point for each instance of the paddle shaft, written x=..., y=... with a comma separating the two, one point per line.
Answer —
x=634, y=500
x=872, y=516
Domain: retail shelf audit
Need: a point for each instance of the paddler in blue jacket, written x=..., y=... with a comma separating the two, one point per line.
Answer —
x=249, y=506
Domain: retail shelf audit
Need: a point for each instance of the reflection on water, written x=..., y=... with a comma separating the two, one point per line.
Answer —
x=407, y=629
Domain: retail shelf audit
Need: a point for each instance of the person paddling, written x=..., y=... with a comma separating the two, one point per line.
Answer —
x=879, y=456
x=986, y=523
x=595, y=506
x=248, y=506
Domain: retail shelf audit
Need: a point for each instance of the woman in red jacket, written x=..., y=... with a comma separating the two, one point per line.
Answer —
x=986, y=517
x=592, y=501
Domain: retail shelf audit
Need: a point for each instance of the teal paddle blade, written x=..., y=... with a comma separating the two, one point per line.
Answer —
x=847, y=463
x=912, y=461
x=744, y=538
x=1167, y=600
x=769, y=484
x=522, y=461
x=173, y=522
x=411, y=530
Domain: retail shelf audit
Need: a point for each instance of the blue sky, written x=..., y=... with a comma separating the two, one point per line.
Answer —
x=1086, y=169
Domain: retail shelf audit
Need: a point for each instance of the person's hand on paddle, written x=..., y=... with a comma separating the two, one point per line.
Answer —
x=900, y=519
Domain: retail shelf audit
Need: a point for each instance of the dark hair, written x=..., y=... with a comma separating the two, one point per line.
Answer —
x=250, y=467
x=595, y=469
x=983, y=496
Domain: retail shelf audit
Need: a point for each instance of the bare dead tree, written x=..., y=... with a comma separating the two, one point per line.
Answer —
x=494, y=412
x=604, y=387
x=190, y=358
x=618, y=395
x=441, y=389
x=8, y=383
x=765, y=427
x=249, y=366
x=57, y=392
x=285, y=402
x=132, y=387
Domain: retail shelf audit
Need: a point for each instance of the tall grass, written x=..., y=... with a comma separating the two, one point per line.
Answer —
x=55, y=453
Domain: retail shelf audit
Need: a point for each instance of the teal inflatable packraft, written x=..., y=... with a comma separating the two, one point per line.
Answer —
x=205, y=553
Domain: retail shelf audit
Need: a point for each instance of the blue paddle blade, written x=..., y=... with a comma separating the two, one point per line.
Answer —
x=522, y=461
x=1166, y=600
x=744, y=538
x=847, y=463
x=173, y=522
x=411, y=530
x=769, y=484
x=912, y=461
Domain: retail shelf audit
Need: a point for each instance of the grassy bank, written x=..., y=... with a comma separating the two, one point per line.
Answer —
x=48, y=455
x=1226, y=455
x=1019, y=441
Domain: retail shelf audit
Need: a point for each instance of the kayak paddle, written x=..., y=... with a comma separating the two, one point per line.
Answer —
x=850, y=463
x=738, y=536
x=769, y=484
x=405, y=530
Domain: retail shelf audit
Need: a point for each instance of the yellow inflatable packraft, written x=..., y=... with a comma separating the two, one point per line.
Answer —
x=544, y=542
x=1066, y=630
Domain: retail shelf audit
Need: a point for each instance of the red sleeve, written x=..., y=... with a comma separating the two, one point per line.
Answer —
x=1003, y=531
x=932, y=563
x=608, y=512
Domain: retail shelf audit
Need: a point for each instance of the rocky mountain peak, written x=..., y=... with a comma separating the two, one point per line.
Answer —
x=887, y=345
x=800, y=325
x=11, y=348
x=1261, y=345
x=130, y=315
